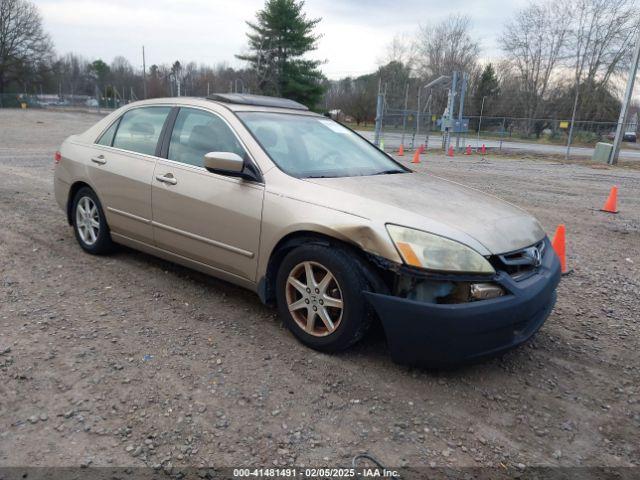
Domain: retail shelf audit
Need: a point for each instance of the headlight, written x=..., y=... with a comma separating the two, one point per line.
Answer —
x=425, y=250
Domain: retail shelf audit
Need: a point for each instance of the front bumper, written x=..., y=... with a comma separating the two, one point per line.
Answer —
x=437, y=335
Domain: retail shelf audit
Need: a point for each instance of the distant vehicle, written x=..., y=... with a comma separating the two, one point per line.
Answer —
x=263, y=193
x=626, y=137
x=91, y=102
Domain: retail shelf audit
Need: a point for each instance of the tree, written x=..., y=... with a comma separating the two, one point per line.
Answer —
x=24, y=45
x=278, y=42
x=441, y=49
x=157, y=81
x=100, y=72
x=487, y=86
x=534, y=43
x=358, y=97
x=400, y=49
x=122, y=76
x=447, y=46
x=176, y=78
x=603, y=105
x=72, y=75
x=394, y=78
x=599, y=42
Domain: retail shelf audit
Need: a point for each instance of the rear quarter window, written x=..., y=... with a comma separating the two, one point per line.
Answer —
x=107, y=137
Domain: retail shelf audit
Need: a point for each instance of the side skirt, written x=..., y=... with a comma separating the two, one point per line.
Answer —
x=184, y=261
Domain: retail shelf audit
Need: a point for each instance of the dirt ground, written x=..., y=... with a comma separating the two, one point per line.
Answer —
x=129, y=360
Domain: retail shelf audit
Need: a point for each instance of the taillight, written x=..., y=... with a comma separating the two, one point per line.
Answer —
x=56, y=158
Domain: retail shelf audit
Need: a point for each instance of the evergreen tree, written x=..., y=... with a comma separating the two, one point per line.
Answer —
x=394, y=76
x=100, y=71
x=278, y=42
x=488, y=86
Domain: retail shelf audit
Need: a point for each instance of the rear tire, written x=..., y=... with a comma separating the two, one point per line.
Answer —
x=89, y=223
x=326, y=312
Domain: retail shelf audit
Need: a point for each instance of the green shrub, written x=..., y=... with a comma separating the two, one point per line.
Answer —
x=586, y=137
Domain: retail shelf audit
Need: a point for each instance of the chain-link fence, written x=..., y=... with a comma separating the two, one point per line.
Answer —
x=548, y=135
x=57, y=101
x=411, y=128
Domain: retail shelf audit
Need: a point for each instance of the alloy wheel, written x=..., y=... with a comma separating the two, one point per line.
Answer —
x=87, y=220
x=314, y=299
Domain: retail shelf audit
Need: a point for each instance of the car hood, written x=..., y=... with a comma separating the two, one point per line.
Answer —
x=435, y=205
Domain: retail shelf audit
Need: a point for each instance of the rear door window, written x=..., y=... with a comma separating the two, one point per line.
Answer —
x=140, y=129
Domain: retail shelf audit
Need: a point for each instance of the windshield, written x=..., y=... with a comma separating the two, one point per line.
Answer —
x=316, y=147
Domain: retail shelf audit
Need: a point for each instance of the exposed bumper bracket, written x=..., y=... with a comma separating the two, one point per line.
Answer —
x=436, y=335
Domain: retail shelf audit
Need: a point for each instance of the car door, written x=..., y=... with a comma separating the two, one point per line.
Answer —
x=207, y=217
x=121, y=169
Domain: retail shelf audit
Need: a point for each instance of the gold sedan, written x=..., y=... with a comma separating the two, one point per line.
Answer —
x=263, y=193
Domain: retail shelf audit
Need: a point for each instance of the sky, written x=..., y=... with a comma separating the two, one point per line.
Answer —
x=355, y=34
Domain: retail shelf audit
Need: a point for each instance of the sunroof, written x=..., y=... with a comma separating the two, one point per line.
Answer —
x=258, y=100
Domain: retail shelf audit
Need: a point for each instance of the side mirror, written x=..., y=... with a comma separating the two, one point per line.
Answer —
x=223, y=162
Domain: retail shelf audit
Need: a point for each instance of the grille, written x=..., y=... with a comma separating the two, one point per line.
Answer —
x=521, y=263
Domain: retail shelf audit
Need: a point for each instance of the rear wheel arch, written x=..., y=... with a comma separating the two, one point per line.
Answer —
x=267, y=284
x=75, y=188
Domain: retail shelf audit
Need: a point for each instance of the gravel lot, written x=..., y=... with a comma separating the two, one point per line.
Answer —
x=130, y=361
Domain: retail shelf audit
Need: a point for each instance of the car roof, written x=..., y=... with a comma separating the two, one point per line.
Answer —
x=251, y=103
x=256, y=100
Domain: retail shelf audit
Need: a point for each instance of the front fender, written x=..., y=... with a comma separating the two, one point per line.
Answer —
x=283, y=216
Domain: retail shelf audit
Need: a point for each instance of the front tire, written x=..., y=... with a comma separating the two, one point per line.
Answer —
x=319, y=295
x=89, y=223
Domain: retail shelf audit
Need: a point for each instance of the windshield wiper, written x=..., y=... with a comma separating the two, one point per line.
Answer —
x=389, y=172
x=384, y=172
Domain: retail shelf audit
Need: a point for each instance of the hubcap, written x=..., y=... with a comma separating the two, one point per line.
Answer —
x=316, y=306
x=87, y=220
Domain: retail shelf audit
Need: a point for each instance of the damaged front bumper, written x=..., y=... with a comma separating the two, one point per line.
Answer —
x=436, y=335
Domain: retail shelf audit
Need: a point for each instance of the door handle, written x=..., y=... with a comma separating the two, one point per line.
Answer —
x=99, y=160
x=168, y=178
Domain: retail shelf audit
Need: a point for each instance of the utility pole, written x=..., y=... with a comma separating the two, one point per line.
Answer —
x=427, y=110
x=144, y=75
x=404, y=115
x=480, y=122
x=573, y=121
x=379, y=113
x=463, y=90
x=417, y=131
x=450, y=104
x=624, y=110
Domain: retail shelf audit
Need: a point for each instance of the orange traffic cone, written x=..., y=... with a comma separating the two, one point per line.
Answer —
x=468, y=150
x=610, y=205
x=559, y=246
x=401, y=151
x=416, y=156
x=483, y=150
x=450, y=151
